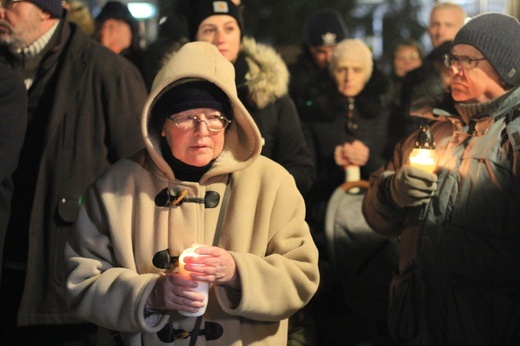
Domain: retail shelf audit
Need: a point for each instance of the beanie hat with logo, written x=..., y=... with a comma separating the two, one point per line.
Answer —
x=496, y=36
x=198, y=10
x=325, y=28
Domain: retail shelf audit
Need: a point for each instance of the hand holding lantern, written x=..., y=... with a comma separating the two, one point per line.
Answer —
x=423, y=154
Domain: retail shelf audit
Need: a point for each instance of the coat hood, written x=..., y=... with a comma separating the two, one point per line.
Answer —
x=202, y=60
x=268, y=76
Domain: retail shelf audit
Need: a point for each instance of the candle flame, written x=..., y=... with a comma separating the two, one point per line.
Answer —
x=423, y=159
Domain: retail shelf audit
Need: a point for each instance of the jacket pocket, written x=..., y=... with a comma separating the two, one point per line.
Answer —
x=66, y=213
x=68, y=209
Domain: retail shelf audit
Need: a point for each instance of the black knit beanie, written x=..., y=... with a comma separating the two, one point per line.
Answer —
x=325, y=28
x=117, y=10
x=186, y=95
x=53, y=7
x=198, y=10
x=496, y=36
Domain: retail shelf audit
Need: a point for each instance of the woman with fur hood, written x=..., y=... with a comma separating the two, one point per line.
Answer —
x=200, y=181
x=262, y=81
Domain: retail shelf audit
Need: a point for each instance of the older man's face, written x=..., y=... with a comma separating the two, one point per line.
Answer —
x=477, y=83
x=20, y=24
x=444, y=25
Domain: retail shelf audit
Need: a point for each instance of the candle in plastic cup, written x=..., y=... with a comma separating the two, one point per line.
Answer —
x=203, y=286
x=423, y=159
x=353, y=173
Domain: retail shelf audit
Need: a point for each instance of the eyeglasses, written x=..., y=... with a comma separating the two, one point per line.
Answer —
x=7, y=4
x=214, y=122
x=462, y=61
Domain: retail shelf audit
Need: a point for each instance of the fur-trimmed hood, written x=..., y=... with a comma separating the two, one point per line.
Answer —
x=268, y=76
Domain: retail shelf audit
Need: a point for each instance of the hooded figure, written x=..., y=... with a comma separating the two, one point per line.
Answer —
x=262, y=81
x=142, y=208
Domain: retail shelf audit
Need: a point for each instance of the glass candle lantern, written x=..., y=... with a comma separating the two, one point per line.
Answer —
x=423, y=154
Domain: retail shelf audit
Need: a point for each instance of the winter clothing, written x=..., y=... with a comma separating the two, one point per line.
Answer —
x=119, y=11
x=54, y=7
x=120, y=229
x=262, y=81
x=307, y=82
x=307, y=77
x=421, y=89
x=173, y=33
x=329, y=126
x=325, y=28
x=198, y=10
x=83, y=116
x=495, y=35
x=13, y=122
x=197, y=94
x=467, y=266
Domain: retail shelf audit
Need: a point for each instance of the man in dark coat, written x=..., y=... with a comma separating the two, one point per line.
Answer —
x=13, y=121
x=84, y=106
x=310, y=72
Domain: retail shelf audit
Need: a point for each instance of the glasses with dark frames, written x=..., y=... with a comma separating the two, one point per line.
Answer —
x=461, y=61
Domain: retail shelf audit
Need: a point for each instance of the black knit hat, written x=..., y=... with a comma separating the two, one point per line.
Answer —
x=189, y=94
x=198, y=10
x=325, y=28
x=53, y=7
x=496, y=36
x=117, y=10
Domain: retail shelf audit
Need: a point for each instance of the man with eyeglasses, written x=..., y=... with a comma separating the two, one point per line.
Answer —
x=459, y=226
x=84, y=105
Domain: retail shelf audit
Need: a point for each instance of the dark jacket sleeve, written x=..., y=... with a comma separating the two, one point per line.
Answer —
x=291, y=150
x=123, y=108
x=13, y=119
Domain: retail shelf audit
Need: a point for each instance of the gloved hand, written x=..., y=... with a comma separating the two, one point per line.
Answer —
x=411, y=187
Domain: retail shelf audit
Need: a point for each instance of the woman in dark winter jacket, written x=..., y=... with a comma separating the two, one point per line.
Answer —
x=262, y=81
x=348, y=126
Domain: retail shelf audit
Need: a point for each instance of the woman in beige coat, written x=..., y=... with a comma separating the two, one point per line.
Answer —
x=202, y=148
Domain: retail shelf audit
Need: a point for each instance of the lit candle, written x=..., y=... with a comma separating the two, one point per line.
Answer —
x=423, y=159
x=353, y=173
x=203, y=286
x=423, y=154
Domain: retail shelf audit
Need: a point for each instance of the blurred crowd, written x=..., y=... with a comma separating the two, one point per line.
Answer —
x=75, y=90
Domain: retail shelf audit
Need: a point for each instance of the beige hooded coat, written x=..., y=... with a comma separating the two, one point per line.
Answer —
x=120, y=229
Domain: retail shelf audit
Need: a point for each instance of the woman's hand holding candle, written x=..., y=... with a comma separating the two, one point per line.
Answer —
x=212, y=264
